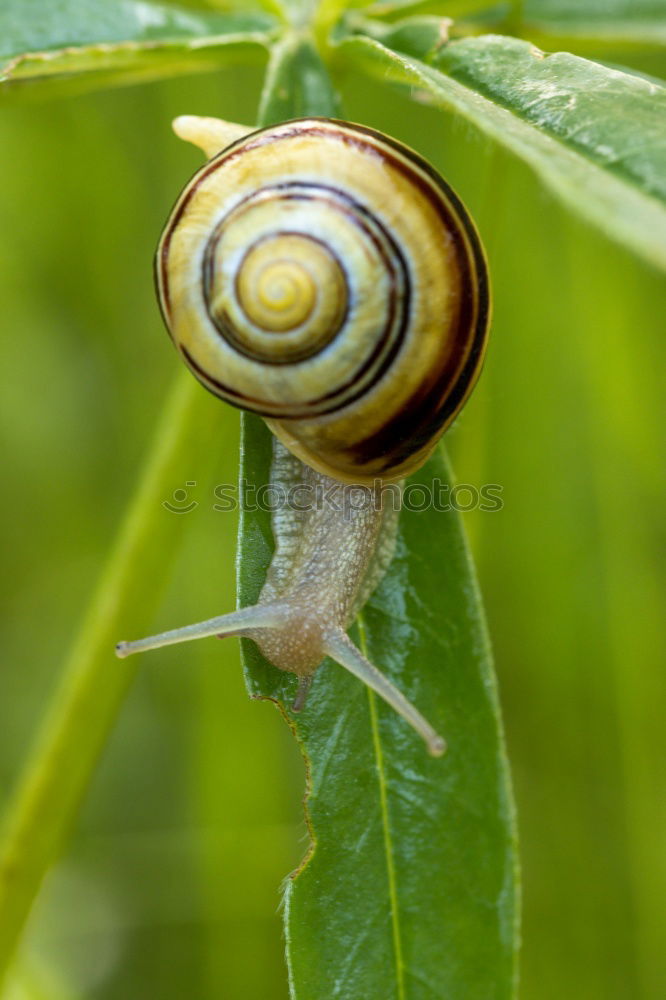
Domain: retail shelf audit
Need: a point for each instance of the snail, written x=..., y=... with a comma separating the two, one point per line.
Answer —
x=324, y=276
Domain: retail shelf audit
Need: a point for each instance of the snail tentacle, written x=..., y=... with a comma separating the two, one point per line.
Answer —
x=233, y=623
x=260, y=622
x=340, y=648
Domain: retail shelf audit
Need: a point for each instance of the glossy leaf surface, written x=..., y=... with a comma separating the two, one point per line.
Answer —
x=92, y=44
x=593, y=135
x=410, y=887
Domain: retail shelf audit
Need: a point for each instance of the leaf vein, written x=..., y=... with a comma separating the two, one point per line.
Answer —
x=388, y=843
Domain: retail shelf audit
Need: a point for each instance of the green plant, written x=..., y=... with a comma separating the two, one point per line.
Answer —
x=562, y=162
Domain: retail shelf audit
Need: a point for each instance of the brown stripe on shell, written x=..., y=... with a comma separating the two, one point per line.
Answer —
x=261, y=137
x=353, y=209
x=218, y=388
x=186, y=195
x=314, y=407
x=226, y=328
x=162, y=286
x=432, y=408
x=450, y=209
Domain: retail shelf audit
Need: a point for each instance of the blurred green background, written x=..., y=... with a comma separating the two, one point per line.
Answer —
x=170, y=884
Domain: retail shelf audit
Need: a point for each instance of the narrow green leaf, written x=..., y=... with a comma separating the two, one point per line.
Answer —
x=94, y=680
x=627, y=22
x=45, y=25
x=278, y=7
x=422, y=37
x=404, y=17
x=613, y=119
x=595, y=11
x=593, y=135
x=409, y=887
x=296, y=84
x=392, y=10
x=629, y=32
x=118, y=42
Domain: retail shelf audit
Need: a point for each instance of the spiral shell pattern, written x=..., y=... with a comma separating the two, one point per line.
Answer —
x=324, y=276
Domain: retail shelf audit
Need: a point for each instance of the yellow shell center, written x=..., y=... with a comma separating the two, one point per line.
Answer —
x=285, y=278
x=275, y=292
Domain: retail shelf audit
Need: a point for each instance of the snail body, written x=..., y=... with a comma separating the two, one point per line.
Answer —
x=325, y=277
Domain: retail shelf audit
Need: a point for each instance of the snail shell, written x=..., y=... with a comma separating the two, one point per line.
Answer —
x=326, y=277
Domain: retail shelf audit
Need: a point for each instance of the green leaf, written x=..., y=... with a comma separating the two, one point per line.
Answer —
x=587, y=11
x=637, y=20
x=409, y=888
x=329, y=12
x=118, y=42
x=619, y=31
x=392, y=10
x=611, y=118
x=593, y=135
x=630, y=32
x=40, y=25
x=422, y=37
x=296, y=84
x=94, y=681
